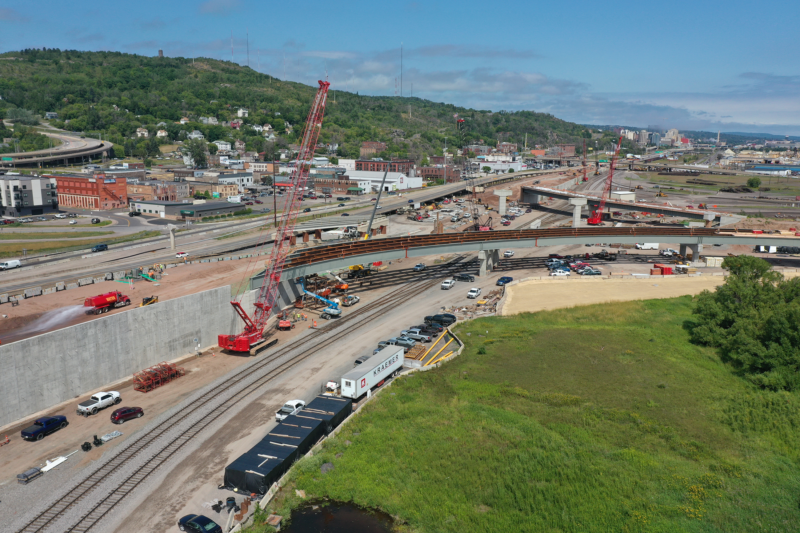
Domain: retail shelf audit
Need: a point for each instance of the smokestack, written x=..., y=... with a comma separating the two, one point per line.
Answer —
x=161, y=53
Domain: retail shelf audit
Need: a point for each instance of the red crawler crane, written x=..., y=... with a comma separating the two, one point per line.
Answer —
x=597, y=216
x=268, y=293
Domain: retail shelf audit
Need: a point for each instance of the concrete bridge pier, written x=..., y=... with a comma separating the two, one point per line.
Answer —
x=696, y=250
x=577, y=204
x=488, y=259
x=503, y=194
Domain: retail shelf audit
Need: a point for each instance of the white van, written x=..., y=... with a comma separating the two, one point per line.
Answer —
x=7, y=265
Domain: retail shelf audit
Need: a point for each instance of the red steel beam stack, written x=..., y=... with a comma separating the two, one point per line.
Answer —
x=155, y=376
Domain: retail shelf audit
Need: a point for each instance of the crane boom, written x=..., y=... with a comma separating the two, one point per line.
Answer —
x=267, y=296
x=597, y=216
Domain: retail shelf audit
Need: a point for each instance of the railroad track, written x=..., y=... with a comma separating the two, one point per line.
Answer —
x=239, y=386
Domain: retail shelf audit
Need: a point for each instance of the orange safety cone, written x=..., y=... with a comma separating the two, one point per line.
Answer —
x=315, y=323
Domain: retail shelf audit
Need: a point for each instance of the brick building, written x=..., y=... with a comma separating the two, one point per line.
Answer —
x=438, y=172
x=507, y=148
x=216, y=190
x=168, y=191
x=405, y=166
x=340, y=186
x=97, y=192
x=565, y=150
x=370, y=148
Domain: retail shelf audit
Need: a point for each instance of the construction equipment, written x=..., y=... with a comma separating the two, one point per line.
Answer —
x=597, y=216
x=333, y=306
x=267, y=298
x=585, y=177
x=105, y=302
x=660, y=194
x=156, y=376
x=149, y=300
x=284, y=324
x=341, y=286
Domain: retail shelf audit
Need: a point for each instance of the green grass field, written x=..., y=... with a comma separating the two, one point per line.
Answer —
x=593, y=419
x=14, y=249
x=779, y=186
x=10, y=236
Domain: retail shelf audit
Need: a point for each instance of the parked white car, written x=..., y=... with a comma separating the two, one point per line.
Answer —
x=508, y=253
x=98, y=401
x=448, y=284
x=474, y=292
x=559, y=273
x=181, y=255
x=292, y=407
x=61, y=215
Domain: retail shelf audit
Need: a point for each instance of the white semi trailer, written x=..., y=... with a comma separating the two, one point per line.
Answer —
x=370, y=373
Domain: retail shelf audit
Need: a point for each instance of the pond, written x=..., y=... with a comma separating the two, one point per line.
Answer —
x=334, y=517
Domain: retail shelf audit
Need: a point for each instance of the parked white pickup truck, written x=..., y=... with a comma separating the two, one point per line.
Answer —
x=98, y=401
x=292, y=407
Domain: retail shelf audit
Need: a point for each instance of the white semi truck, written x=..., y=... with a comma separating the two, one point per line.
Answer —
x=373, y=371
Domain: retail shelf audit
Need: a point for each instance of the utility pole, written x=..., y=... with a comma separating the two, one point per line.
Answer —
x=231, y=46
x=274, y=194
x=401, y=69
x=247, y=33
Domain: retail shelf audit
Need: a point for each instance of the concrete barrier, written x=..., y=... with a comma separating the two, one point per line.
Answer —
x=120, y=275
x=3, y=298
x=99, y=280
x=85, y=281
x=42, y=371
x=49, y=290
x=72, y=286
x=35, y=291
x=109, y=276
x=60, y=286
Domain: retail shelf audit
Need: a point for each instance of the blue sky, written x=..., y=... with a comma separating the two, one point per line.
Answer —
x=704, y=64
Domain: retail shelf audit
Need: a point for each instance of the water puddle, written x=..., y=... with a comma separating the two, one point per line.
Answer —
x=333, y=517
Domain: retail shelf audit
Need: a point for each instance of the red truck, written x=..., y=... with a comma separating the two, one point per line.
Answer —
x=105, y=302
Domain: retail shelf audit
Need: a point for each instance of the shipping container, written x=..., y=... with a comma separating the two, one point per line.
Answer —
x=256, y=470
x=380, y=366
x=655, y=271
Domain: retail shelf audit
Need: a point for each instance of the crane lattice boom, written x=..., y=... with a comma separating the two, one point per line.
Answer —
x=268, y=293
x=597, y=216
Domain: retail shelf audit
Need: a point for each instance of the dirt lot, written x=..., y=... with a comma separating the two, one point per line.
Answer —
x=38, y=315
x=541, y=295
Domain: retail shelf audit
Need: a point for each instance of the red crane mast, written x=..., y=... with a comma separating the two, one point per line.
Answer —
x=597, y=216
x=268, y=293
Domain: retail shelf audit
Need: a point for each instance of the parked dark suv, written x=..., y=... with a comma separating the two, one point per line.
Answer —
x=100, y=248
x=123, y=414
x=464, y=277
x=444, y=319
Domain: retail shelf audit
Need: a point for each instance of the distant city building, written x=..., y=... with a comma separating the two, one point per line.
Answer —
x=223, y=145
x=142, y=132
x=196, y=134
x=162, y=133
x=433, y=173
x=23, y=195
x=97, y=192
x=242, y=113
x=370, y=148
x=655, y=139
x=50, y=115
x=405, y=166
x=507, y=148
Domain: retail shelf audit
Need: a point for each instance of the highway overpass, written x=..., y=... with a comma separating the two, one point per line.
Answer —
x=336, y=256
x=533, y=195
x=73, y=149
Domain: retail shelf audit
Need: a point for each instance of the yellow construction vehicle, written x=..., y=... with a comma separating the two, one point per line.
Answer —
x=149, y=300
x=660, y=194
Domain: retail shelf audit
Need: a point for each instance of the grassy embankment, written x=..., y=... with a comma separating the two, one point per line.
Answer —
x=36, y=247
x=598, y=418
x=52, y=235
x=779, y=186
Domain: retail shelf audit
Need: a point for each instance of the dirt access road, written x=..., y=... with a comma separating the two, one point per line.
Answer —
x=34, y=316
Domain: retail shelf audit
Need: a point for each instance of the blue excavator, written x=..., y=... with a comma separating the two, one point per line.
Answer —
x=332, y=311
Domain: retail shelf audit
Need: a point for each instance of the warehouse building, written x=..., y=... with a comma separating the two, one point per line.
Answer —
x=185, y=211
x=395, y=181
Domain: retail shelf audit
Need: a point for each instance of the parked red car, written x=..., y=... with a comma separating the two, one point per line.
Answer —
x=259, y=202
x=124, y=414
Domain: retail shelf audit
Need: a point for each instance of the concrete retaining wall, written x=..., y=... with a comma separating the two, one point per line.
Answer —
x=42, y=371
